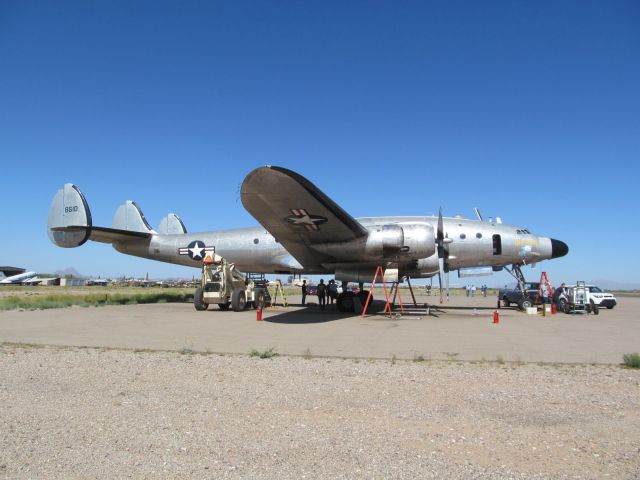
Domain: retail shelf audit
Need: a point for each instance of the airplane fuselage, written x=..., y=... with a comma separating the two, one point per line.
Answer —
x=304, y=231
x=472, y=244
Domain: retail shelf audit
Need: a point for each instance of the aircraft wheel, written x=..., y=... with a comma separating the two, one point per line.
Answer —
x=567, y=307
x=238, y=300
x=345, y=303
x=363, y=297
x=223, y=306
x=260, y=299
x=198, y=300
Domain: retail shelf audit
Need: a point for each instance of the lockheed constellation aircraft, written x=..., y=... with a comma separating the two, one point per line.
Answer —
x=304, y=231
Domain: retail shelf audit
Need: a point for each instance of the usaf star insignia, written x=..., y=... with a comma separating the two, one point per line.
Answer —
x=301, y=217
x=196, y=250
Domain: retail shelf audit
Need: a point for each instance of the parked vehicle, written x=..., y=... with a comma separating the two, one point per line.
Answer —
x=594, y=296
x=523, y=299
x=576, y=300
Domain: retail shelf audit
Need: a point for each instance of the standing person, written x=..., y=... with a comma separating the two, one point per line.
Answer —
x=559, y=295
x=322, y=291
x=304, y=291
x=333, y=291
x=473, y=290
x=468, y=288
x=326, y=292
x=544, y=293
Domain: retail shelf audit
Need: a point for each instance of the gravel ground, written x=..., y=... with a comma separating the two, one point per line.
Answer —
x=90, y=413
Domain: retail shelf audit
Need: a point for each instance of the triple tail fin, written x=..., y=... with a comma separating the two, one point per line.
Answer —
x=70, y=225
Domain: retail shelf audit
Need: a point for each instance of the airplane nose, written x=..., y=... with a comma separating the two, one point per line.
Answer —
x=558, y=248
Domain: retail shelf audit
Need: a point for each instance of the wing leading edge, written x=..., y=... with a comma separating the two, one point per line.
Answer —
x=297, y=213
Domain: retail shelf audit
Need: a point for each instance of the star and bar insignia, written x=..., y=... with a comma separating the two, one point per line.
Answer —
x=301, y=217
x=197, y=250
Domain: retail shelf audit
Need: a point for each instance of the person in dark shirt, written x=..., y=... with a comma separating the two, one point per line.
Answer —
x=304, y=291
x=322, y=291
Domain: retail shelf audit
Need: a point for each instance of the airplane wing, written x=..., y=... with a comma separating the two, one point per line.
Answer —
x=297, y=213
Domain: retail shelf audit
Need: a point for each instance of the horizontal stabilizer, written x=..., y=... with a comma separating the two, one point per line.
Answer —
x=171, y=225
x=69, y=208
x=129, y=217
x=69, y=224
x=104, y=234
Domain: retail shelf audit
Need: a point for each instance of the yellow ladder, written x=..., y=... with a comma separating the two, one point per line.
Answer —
x=279, y=288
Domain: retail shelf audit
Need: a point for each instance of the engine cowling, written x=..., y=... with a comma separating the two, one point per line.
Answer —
x=388, y=242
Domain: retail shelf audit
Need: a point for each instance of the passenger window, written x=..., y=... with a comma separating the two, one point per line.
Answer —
x=478, y=235
x=463, y=236
x=256, y=241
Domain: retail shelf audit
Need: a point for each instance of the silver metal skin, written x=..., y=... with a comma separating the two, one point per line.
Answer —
x=314, y=235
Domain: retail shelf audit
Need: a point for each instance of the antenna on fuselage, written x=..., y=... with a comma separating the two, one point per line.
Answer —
x=478, y=214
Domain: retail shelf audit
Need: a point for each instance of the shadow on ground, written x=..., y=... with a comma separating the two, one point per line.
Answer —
x=312, y=313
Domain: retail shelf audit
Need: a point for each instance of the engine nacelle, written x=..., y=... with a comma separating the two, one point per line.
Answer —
x=427, y=267
x=387, y=242
x=419, y=241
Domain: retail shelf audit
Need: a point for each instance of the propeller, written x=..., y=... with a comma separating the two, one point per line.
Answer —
x=443, y=242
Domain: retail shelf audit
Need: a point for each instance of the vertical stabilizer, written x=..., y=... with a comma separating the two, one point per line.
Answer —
x=69, y=221
x=130, y=217
x=172, y=225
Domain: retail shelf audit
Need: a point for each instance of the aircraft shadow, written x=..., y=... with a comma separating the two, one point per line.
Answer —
x=312, y=313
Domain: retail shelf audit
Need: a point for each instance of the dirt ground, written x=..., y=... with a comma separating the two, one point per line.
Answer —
x=92, y=413
x=461, y=329
x=121, y=391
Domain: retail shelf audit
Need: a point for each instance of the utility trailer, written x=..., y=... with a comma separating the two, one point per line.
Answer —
x=223, y=285
x=577, y=300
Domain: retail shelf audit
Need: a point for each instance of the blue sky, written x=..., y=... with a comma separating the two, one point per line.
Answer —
x=527, y=110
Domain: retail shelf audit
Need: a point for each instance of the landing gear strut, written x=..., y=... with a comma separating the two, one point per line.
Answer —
x=516, y=272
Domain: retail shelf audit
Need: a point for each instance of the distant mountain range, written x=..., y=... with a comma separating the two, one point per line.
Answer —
x=70, y=271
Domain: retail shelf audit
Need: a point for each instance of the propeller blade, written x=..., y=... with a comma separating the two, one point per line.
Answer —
x=446, y=283
x=440, y=271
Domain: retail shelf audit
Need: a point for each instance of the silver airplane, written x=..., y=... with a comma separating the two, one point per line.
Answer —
x=19, y=278
x=304, y=231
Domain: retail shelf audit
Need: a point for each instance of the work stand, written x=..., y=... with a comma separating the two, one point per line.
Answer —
x=394, y=293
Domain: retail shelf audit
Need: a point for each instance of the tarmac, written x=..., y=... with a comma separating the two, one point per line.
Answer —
x=461, y=329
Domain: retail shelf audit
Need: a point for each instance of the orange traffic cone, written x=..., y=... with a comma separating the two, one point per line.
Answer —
x=496, y=316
